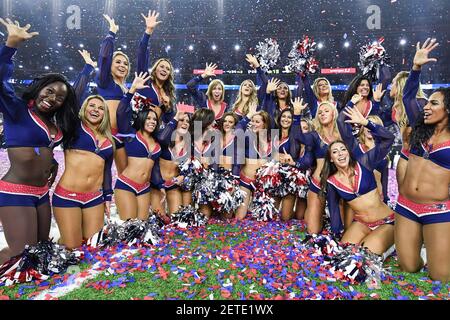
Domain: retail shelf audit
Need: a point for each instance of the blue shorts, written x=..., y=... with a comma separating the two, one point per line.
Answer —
x=314, y=185
x=248, y=183
x=124, y=183
x=20, y=195
x=423, y=213
x=63, y=198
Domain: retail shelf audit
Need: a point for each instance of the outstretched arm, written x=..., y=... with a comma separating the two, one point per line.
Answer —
x=124, y=111
x=81, y=83
x=106, y=54
x=335, y=212
x=143, y=57
x=192, y=85
x=9, y=102
x=412, y=107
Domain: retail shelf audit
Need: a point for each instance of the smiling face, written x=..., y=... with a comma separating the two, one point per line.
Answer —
x=286, y=120
x=95, y=111
x=363, y=88
x=51, y=97
x=257, y=123
x=325, y=114
x=339, y=155
x=394, y=88
x=324, y=87
x=435, y=111
x=282, y=91
x=228, y=124
x=120, y=67
x=183, y=124
x=150, y=122
x=163, y=70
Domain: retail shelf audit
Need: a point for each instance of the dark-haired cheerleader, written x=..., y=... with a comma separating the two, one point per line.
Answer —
x=30, y=135
x=132, y=189
x=348, y=175
x=423, y=205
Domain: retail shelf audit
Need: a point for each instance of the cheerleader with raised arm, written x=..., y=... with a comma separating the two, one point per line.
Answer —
x=160, y=88
x=422, y=210
x=83, y=193
x=132, y=189
x=215, y=95
x=350, y=177
x=113, y=70
x=33, y=124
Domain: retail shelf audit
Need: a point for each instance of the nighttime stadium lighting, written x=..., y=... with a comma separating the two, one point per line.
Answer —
x=237, y=47
x=214, y=47
x=81, y=45
x=402, y=42
x=70, y=68
x=59, y=44
x=46, y=67
x=191, y=47
x=320, y=45
x=124, y=46
x=20, y=66
x=168, y=48
x=346, y=44
x=177, y=70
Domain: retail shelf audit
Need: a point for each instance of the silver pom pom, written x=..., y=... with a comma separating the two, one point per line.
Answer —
x=268, y=53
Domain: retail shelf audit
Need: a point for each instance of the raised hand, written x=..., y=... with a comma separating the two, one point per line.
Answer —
x=252, y=60
x=252, y=110
x=356, y=98
x=16, y=33
x=209, y=70
x=378, y=93
x=272, y=85
x=299, y=106
x=355, y=116
x=113, y=27
x=87, y=58
x=139, y=81
x=422, y=53
x=151, y=21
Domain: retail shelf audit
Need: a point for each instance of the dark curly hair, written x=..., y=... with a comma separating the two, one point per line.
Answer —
x=67, y=115
x=422, y=132
x=353, y=87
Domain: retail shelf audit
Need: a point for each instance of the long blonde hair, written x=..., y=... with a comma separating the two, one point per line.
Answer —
x=318, y=127
x=400, y=80
x=211, y=87
x=253, y=99
x=104, y=128
x=122, y=84
x=375, y=119
x=169, y=84
x=316, y=89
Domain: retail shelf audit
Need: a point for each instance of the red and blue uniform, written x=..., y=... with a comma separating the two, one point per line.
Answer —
x=23, y=128
x=152, y=92
x=364, y=177
x=201, y=100
x=439, y=154
x=135, y=146
x=106, y=86
x=358, y=150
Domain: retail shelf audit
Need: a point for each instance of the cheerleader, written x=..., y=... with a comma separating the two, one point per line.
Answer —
x=160, y=89
x=319, y=140
x=398, y=115
x=288, y=150
x=79, y=198
x=132, y=189
x=258, y=150
x=365, y=142
x=113, y=70
x=215, y=94
x=30, y=136
x=321, y=91
x=205, y=147
x=422, y=210
x=350, y=177
x=173, y=152
x=361, y=95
